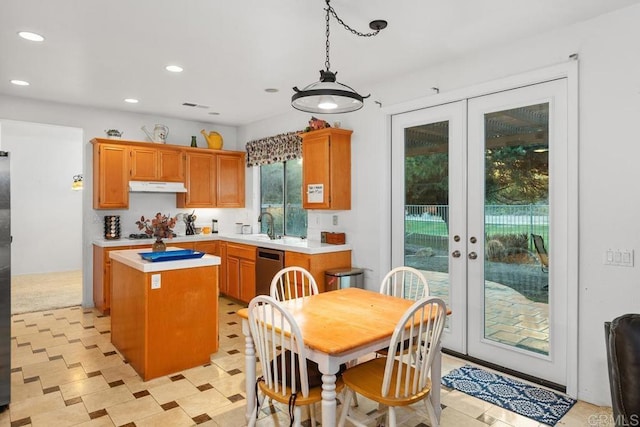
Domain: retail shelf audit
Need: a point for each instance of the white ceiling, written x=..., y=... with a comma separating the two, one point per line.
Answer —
x=99, y=52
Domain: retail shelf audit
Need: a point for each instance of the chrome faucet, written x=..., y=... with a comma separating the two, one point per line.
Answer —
x=270, y=231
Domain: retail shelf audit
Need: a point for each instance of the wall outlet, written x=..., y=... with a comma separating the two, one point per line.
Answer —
x=335, y=220
x=155, y=281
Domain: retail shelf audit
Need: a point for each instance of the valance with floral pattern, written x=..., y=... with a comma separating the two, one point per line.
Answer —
x=278, y=148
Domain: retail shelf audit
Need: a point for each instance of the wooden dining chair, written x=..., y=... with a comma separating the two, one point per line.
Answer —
x=405, y=282
x=285, y=378
x=292, y=282
x=404, y=379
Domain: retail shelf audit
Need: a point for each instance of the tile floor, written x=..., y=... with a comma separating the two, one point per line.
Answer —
x=65, y=372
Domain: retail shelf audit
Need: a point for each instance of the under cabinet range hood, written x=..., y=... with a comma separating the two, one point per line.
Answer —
x=156, y=187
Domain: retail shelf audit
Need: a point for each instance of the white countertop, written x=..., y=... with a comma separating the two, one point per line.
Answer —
x=125, y=241
x=132, y=258
x=292, y=244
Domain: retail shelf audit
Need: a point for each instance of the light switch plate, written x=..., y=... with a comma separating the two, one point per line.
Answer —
x=619, y=257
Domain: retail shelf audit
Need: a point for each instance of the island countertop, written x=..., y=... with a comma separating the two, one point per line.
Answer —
x=132, y=258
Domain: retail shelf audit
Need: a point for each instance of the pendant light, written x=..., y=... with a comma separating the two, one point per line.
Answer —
x=328, y=95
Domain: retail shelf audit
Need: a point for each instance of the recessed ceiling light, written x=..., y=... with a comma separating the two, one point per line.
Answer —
x=214, y=113
x=271, y=90
x=20, y=83
x=131, y=100
x=31, y=36
x=173, y=68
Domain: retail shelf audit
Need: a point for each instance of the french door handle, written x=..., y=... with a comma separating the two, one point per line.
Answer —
x=473, y=255
x=455, y=254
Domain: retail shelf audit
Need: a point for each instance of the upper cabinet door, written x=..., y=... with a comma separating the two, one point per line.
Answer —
x=157, y=164
x=230, y=179
x=144, y=163
x=200, y=181
x=170, y=165
x=110, y=176
x=326, y=169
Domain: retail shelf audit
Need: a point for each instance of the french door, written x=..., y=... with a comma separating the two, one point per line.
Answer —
x=476, y=184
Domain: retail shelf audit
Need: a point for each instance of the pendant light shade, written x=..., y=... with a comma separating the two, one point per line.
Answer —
x=327, y=95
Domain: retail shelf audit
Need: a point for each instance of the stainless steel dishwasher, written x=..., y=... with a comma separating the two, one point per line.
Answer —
x=268, y=263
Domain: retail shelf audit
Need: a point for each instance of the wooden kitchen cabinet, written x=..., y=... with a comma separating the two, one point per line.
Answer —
x=156, y=164
x=240, y=263
x=110, y=176
x=102, y=266
x=170, y=165
x=144, y=163
x=200, y=180
x=102, y=275
x=326, y=169
x=222, y=253
x=317, y=264
x=213, y=179
x=230, y=173
x=166, y=329
x=181, y=245
x=210, y=247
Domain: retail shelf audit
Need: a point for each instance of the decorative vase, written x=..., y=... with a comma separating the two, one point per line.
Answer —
x=214, y=139
x=158, y=245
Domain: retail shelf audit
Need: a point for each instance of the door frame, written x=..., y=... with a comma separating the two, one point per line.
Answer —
x=570, y=71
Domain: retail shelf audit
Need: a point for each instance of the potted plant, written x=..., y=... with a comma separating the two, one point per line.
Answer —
x=160, y=226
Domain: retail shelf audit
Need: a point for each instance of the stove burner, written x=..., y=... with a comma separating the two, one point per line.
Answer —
x=140, y=236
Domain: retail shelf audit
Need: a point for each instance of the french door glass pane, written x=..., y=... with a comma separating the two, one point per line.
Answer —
x=427, y=204
x=516, y=207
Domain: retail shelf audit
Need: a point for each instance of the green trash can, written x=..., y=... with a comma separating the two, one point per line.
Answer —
x=340, y=278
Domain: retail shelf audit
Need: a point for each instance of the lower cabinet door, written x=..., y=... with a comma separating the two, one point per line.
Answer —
x=247, y=280
x=233, y=277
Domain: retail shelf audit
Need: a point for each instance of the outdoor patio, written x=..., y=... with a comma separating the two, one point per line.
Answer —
x=512, y=318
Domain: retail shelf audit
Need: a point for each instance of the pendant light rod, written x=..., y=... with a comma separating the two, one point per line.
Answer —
x=328, y=95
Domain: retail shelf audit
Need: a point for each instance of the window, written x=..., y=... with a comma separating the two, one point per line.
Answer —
x=281, y=196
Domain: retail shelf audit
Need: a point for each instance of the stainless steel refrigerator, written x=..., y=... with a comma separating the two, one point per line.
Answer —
x=5, y=282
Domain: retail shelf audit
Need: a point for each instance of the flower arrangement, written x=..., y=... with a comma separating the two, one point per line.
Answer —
x=160, y=226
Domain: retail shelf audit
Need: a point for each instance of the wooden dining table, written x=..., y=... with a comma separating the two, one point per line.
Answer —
x=338, y=327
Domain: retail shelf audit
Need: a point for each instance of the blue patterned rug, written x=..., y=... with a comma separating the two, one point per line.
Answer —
x=533, y=402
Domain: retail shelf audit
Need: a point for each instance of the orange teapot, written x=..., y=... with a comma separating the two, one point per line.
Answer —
x=214, y=139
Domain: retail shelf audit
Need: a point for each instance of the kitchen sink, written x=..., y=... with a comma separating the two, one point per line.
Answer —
x=286, y=240
x=261, y=237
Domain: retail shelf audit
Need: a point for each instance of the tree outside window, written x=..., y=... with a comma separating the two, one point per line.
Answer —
x=281, y=196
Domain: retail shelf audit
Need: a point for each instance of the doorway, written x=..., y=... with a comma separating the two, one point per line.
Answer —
x=475, y=182
x=46, y=214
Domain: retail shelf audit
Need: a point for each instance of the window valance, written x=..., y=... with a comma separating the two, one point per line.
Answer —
x=278, y=148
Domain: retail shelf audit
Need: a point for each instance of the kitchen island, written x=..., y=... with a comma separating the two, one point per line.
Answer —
x=164, y=315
